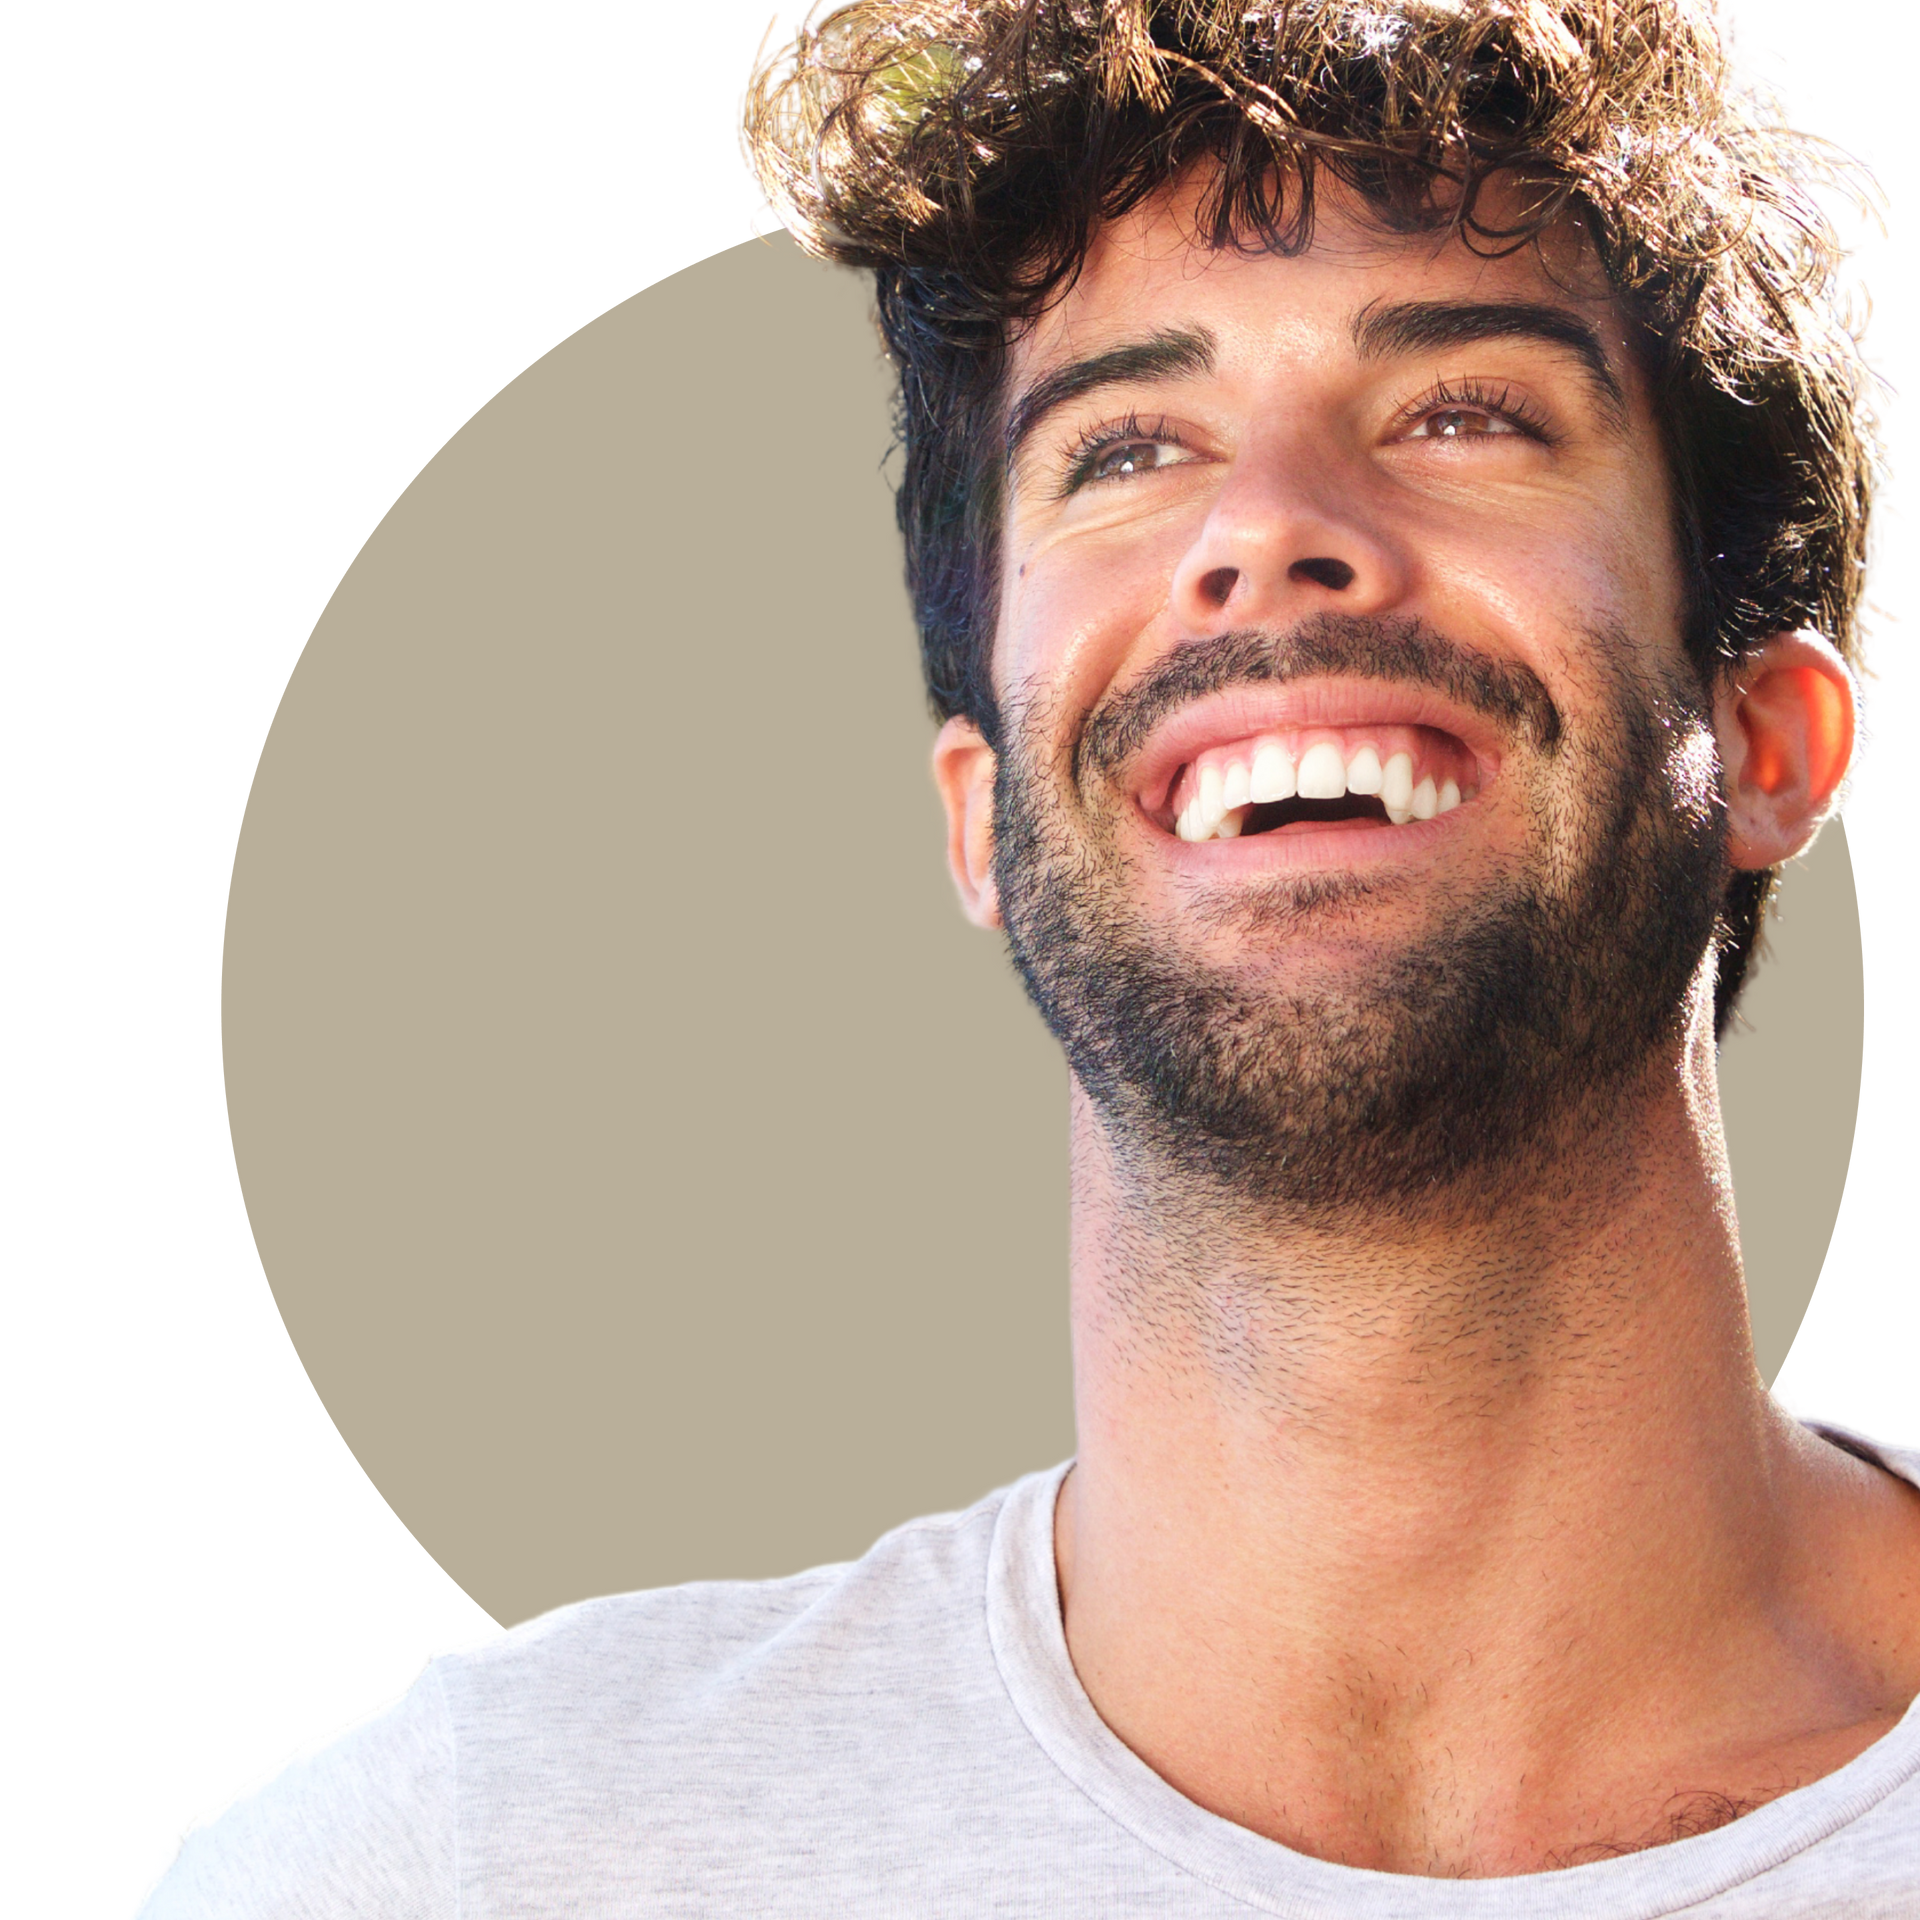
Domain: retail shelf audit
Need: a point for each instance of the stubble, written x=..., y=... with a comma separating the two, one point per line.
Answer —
x=1468, y=1056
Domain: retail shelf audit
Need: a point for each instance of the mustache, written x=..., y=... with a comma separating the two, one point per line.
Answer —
x=1354, y=646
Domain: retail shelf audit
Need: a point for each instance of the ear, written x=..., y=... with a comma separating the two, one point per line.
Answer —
x=963, y=770
x=1784, y=717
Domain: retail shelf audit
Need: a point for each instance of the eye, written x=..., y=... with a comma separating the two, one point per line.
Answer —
x=1123, y=457
x=1123, y=450
x=1474, y=410
x=1461, y=423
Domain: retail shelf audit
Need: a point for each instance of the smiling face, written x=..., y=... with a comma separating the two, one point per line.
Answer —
x=1355, y=824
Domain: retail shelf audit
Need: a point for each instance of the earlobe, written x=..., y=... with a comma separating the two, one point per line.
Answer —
x=1784, y=718
x=963, y=770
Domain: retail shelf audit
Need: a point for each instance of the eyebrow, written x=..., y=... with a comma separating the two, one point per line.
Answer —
x=1413, y=326
x=1178, y=353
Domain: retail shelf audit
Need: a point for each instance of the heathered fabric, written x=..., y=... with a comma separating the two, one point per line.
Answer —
x=898, y=1737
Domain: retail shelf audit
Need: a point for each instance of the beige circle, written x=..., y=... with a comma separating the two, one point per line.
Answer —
x=657, y=1177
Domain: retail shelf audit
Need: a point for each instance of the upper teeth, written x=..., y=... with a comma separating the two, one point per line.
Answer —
x=1221, y=794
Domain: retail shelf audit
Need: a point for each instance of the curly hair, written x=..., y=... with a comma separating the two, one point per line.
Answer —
x=967, y=151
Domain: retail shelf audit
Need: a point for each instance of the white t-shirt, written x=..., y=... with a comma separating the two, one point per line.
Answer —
x=902, y=1736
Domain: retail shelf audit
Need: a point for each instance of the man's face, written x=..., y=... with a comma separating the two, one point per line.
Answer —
x=1355, y=818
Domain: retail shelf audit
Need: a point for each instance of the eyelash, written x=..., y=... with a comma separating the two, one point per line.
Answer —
x=1086, y=451
x=1474, y=395
x=1477, y=397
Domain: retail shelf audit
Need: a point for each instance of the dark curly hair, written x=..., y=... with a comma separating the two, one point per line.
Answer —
x=966, y=151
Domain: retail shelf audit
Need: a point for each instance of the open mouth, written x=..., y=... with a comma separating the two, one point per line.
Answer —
x=1318, y=777
x=1278, y=815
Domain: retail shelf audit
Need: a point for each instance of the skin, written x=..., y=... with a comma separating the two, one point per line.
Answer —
x=1461, y=1545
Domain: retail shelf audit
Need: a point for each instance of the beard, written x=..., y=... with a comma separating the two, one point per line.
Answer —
x=1469, y=1057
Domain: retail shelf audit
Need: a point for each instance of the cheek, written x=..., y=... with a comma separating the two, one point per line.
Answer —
x=1547, y=589
x=1658, y=587
x=1514, y=561
x=1074, y=608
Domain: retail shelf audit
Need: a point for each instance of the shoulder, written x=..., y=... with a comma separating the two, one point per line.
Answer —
x=1902, y=1462
x=1859, y=1556
x=642, y=1711
x=673, y=1649
x=365, y=1827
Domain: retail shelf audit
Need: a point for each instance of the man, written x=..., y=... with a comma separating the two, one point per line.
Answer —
x=1384, y=499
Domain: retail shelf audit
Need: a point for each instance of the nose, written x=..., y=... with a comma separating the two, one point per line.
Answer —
x=1287, y=535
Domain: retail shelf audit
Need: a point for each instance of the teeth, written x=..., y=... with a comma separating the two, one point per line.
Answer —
x=1212, y=802
x=1272, y=777
x=1396, y=788
x=1224, y=792
x=1323, y=774
x=1363, y=772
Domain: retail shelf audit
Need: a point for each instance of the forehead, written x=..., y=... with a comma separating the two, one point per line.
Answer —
x=1148, y=269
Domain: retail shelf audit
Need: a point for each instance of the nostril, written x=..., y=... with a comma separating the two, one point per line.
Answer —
x=1216, y=588
x=1335, y=575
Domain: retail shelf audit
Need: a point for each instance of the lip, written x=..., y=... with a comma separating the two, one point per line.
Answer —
x=1242, y=712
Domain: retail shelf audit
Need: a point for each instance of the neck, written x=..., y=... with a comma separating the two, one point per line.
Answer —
x=1599, y=1287
x=1371, y=1522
